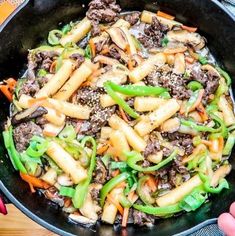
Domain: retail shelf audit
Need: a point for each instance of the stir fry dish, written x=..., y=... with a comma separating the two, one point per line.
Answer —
x=122, y=118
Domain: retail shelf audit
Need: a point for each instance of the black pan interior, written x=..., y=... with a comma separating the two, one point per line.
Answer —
x=31, y=25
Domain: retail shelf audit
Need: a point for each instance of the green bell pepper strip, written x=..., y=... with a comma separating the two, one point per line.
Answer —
x=42, y=72
x=229, y=144
x=145, y=197
x=67, y=191
x=37, y=147
x=158, y=211
x=53, y=39
x=225, y=75
x=223, y=129
x=202, y=60
x=133, y=157
x=200, y=128
x=206, y=184
x=135, y=90
x=68, y=133
x=194, y=200
x=222, y=89
x=125, y=202
x=194, y=85
x=81, y=189
x=111, y=184
x=120, y=101
x=12, y=152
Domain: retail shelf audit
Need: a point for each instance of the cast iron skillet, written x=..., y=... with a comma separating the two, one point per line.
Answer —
x=29, y=25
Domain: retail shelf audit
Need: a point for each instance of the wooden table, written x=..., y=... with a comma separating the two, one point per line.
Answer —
x=15, y=223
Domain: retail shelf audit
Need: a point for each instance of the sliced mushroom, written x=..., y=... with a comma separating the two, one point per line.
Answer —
x=117, y=77
x=211, y=69
x=28, y=114
x=64, y=180
x=82, y=220
x=106, y=60
x=187, y=38
x=118, y=37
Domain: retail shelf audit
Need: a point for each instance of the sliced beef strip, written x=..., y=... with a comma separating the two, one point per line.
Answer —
x=78, y=58
x=102, y=11
x=29, y=87
x=101, y=173
x=153, y=34
x=23, y=133
x=209, y=80
x=181, y=140
x=39, y=60
x=99, y=116
x=132, y=18
x=152, y=147
x=143, y=219
x=114, y=53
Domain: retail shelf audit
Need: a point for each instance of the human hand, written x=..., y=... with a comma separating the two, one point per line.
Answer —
x=226, y=221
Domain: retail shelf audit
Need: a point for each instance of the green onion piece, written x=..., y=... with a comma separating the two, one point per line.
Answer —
x=158, y=211
x=105, y=159
x=211, y=108
x=229, y=144
x=194, y=85
x=225, y=75
x=111, y=184
x=66, y=29
x=41, y=73
x=118, y=165
x=120, y=101
x=88, y=52
x=194, y=200
x=54, y=37
x=164, y=41
x=202, y=60
x=125, y=202
x=67, y=191
x=134, y=157
x=137, y=43
x=37, y=146
x=68, y=133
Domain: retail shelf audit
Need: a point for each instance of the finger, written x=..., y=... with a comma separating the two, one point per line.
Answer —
x=226, y=223
x=232, y=209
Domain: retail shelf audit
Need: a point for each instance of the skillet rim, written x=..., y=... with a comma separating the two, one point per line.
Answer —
x=44, y=223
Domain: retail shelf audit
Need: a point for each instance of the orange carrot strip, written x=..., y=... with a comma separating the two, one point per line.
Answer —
x=38, y=183
x=128, y=49
x=103, y=148
x=93, y=48
x=123, y=114
x=52, y=67
x=5, y=90
x=152, y=184
x=115, y=173
x=114, y=202
x=105, y=50
x=165, y=15
x=206, y=142
x=202, y=112
x=130, y=65
x=221, y=144
x=31, y=188
x=125, y=216
x=11, y=83
x=189, y=60
x=198, y=101
x=190, y=29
